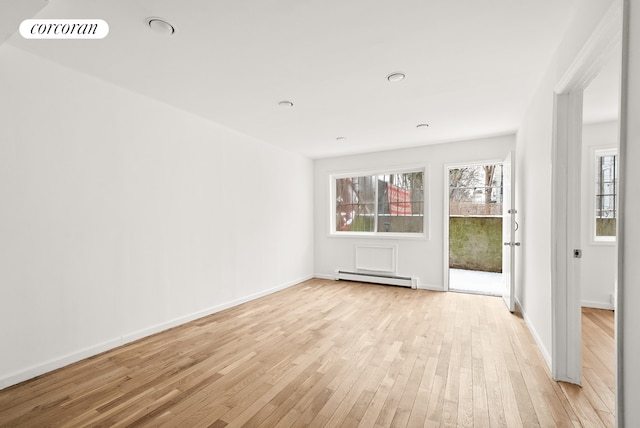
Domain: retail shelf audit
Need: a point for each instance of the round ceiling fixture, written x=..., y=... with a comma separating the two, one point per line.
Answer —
x=422, y=125
x=160, y=26
x=396, y=77
x=285, y=103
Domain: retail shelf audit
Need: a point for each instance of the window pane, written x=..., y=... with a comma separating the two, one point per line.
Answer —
x=475, y=191
x=606, y=195
x=401, y=203
x=355, y=204
x=389, y=203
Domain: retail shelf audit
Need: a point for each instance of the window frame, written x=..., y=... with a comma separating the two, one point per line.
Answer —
x=424, y=169
x=600, y=151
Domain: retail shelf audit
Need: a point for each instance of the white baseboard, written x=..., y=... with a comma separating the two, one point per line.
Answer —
x=420, y=285
x=131, y=337
x=536, y=337
x=54, y=364
x=324, y=276
x=430, y=287
x=40, y=369
x=597, y=305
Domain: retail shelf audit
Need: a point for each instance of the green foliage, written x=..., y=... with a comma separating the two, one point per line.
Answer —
x=362, y=224
x=475, y=243
x=605, y=227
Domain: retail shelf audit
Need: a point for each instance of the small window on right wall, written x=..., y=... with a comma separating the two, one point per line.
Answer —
x=606, y=195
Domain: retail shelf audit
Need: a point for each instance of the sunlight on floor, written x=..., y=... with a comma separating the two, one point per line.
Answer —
x=475, y=281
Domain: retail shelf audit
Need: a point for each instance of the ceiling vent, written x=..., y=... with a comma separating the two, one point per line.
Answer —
x=160, y=26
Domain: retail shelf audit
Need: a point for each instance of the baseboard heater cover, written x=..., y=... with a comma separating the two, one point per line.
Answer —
x=403, y=281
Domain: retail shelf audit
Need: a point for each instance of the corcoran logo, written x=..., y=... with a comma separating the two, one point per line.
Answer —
x=64, y=29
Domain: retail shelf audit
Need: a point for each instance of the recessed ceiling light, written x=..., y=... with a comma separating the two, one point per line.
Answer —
x=285, y=103
x=160, y=26
x=422, y=125
x=395, y=77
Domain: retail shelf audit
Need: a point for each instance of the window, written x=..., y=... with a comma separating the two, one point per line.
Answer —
x=476, y=191
x=385, y=203
x=606, y=200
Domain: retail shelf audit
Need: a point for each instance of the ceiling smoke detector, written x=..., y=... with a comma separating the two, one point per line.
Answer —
x=160, y=26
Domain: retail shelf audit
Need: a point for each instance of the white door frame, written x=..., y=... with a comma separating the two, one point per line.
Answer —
x=566, y=363
x=509, y=227
x=447, y=167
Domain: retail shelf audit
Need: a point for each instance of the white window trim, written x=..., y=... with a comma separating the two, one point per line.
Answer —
x=603, y=150
x=379, y=235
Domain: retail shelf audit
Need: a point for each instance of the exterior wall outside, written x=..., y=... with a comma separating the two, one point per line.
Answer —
x=475, y=243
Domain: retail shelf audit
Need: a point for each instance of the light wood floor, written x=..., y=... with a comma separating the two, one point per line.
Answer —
x=595, y=400
x=329, y=353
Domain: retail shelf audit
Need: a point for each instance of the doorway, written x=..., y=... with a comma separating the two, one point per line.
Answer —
x=474, y=222
x=599, y=213
x=568, y=250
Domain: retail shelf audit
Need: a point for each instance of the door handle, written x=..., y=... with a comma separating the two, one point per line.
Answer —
x=506, y=244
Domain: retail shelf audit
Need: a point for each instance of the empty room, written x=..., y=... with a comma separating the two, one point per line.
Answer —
x=286, y=213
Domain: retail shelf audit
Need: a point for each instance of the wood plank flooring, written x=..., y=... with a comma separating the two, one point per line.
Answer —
x=595, y=399
x=325, y=353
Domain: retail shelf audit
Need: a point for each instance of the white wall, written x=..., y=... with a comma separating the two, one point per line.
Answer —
x=122, y=216
x=533, y=201
x=598, y=263
x=629, y=263
x=416, y=257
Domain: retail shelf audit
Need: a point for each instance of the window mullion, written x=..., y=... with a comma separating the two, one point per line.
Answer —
x=376, y=203
x=615, y=187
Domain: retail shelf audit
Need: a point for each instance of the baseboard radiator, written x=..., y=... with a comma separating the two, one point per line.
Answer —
x=403, y=281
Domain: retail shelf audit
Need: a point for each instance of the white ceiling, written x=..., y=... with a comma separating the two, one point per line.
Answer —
x=12, y=12
x=472, y=66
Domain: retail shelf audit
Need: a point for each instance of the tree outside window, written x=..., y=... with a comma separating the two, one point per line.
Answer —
x=380, y=203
